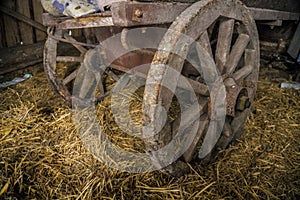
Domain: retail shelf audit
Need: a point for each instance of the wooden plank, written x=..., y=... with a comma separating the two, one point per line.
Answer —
x=37, y=14
x=23, y=18
x=76, y=32
x=267, y=14
x=89, y=21
x=25, y=30
x=2, y=37
x=294, y=48
x=10, y=25
x=15, y=58
x=137, y=13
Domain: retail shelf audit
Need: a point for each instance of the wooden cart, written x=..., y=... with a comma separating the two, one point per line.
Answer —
x=226, y=31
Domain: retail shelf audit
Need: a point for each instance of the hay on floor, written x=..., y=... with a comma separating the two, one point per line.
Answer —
x=42, y=157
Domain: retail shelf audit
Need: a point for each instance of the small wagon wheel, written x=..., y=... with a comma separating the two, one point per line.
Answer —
x=228, y=34
x=58, y=77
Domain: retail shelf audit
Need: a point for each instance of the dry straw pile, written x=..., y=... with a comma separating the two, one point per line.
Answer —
x=41, y=156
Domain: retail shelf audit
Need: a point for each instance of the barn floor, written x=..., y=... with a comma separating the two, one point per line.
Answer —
x=41, y=156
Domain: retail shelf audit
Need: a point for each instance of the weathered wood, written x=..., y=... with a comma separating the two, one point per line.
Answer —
x=23, y=18
x=37, y=16
x=77, y=32
x=238, y=122
x=2, y=37
x=81, y=49
x=89, y=21
x=68, y=59
x=236, y=53
x=199, y=88
x=250, y=55
x=70, y=77
x=282, y=5
x=224, y=43
x=205, y=43
x=294, y=48
x=25, y=30
x=243, y=72
x=11, y=27
x=188, y=155
x=136, y=13
x=227, y=136
x=267, y=14
x=15, y=58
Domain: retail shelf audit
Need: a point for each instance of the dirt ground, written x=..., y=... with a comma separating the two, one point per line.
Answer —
x=41, y=156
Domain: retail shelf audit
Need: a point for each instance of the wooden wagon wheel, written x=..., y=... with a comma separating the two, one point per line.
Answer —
x=228, y=34
x=57, y=76
x=81, y=57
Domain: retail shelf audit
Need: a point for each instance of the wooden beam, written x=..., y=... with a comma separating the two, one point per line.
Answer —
x=40, y=35
x=89, y=21
x=12, y=35
x=23, y=18
x=16, y=58
x=25, y=29
x=267, y=14
x=294, y=48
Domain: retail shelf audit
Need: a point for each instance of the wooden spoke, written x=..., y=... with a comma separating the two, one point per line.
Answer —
x=87, y=84
x=198, y=22
x=212, y=135
x=188, y=155
x=250, y=55
x=205, y=43
x=70, y=77
x=238, y=122
x=68, y=59
x=236, y=53
x=81, y=49
x=190, y=115
x=227, y=135
x=224, y=43
x=60, y=78
x=113, y=75
x=243, y=73
x=199, y=88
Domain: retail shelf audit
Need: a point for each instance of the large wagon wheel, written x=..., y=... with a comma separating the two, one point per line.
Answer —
x=228, y=34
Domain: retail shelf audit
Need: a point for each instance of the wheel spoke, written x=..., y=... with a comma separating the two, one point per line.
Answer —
x=211, y=137
x=100, y=87
x=87, y=83
x=188, y=155
x=236, y=53
x=224, y=43
x=69, y=59
x=70, y=77
x=227, y=136
x=190, y=115
x=205, y=43
x=243, y=73
x=166, y=94
x=199, y=88
x=237, y=123
x=250, y=55
x=78, y=47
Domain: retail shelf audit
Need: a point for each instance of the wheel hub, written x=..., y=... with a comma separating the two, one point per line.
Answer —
x=237, y=98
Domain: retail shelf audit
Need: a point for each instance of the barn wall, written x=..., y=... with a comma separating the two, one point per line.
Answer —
x=14, y=32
